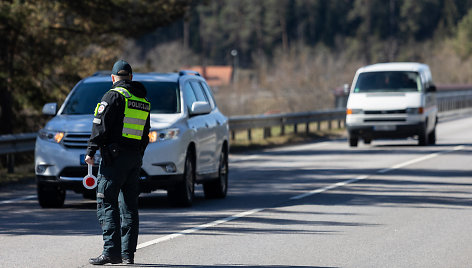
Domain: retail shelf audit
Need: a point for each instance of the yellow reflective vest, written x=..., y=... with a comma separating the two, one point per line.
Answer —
x=136, y=113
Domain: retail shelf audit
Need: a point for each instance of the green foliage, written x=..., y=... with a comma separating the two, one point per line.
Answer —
x=47, y=46
x=463, y=39
x=372, y=29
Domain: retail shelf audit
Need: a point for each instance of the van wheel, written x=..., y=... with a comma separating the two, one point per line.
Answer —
x=423, y=137
x=50, y=195
x=353, y=142
x=219, y=187
x=432, y=137
x=182, y=194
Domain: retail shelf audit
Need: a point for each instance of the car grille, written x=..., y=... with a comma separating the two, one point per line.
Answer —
x=77, y=171
x=385, y=120
x=76, y=140
x=386, y=112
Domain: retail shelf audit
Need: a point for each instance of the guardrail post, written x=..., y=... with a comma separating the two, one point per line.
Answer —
x=11, y=163
x=233, y=135
x=307, y=128
x=249, y=134
x=267, y=132
x=282, y=130
x=295, y=128
x=318, y=125
x=330, y=124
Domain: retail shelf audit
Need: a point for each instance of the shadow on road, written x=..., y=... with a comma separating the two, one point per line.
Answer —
x=224, y=266
x=264, y=187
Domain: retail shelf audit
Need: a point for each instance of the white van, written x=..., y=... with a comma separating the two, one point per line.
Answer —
x=392, y=100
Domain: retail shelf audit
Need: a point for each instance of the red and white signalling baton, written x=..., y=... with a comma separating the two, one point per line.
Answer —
x=89, y=181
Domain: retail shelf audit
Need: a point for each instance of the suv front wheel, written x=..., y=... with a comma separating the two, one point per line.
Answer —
x=183, y=192
x=50, y=195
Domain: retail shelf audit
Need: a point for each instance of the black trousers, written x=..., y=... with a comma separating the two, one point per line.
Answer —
x=117, y=204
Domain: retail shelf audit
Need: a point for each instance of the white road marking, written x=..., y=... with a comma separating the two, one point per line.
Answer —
x=198, y=228
x=17, y=199
x=234, y=158
x=313, y=192
x=329, y=187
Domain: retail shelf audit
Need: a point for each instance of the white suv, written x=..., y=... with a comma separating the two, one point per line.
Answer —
x=188, y=139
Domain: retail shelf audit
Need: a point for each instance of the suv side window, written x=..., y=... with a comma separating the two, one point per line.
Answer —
x=201, y=96
x=189, y=96
x=209, y=94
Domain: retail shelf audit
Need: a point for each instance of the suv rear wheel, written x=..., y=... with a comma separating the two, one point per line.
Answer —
x=50, y=195
x=183, y=192
x=219, y=187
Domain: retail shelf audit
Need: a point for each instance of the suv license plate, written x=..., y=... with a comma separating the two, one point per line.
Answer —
x=97, y=158
x=385, y=128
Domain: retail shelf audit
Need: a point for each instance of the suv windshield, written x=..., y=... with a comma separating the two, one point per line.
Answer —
x=164, y=97
x=393, y=81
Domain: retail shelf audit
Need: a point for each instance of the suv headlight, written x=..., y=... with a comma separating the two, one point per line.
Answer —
x=52, y=136
x=418, y=110
x=162, y=135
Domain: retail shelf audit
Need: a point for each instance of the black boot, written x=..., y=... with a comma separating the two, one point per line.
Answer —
x=103, y=259
x=127, y=259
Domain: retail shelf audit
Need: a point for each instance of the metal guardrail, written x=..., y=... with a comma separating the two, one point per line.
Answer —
x=447, y=101
x=18, y=143
x=248, y=122
x=454, y=100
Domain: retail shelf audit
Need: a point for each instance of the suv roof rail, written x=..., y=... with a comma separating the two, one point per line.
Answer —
x=97, y=73
x=187, y=72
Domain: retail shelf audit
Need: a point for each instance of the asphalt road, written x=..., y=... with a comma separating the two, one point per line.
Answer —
x=388, y=204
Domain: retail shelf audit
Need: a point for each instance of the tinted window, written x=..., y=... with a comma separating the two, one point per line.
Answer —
x=85, y=97
x=388, y=82
x=209, y=94
x=199, y=91
x=189, y=96
x=164, y=97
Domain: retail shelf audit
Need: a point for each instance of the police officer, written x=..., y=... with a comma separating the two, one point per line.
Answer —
x=120, y=130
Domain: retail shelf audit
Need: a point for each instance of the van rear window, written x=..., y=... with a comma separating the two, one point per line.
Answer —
x=391, y=81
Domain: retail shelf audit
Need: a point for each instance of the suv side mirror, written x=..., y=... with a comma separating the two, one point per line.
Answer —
x=50, y=108
x=432, y=88
x=200, y=107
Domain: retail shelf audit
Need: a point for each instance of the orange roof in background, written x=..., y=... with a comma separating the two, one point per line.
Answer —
x=214, y=75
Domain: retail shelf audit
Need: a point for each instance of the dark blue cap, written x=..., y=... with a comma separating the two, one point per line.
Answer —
x=121, y=68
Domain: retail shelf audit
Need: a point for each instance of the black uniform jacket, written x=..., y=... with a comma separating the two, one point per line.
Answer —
x=108, y=122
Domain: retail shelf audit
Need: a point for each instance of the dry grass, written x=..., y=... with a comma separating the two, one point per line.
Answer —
x=23, y=173
x=241, y=142
x=302, y=80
